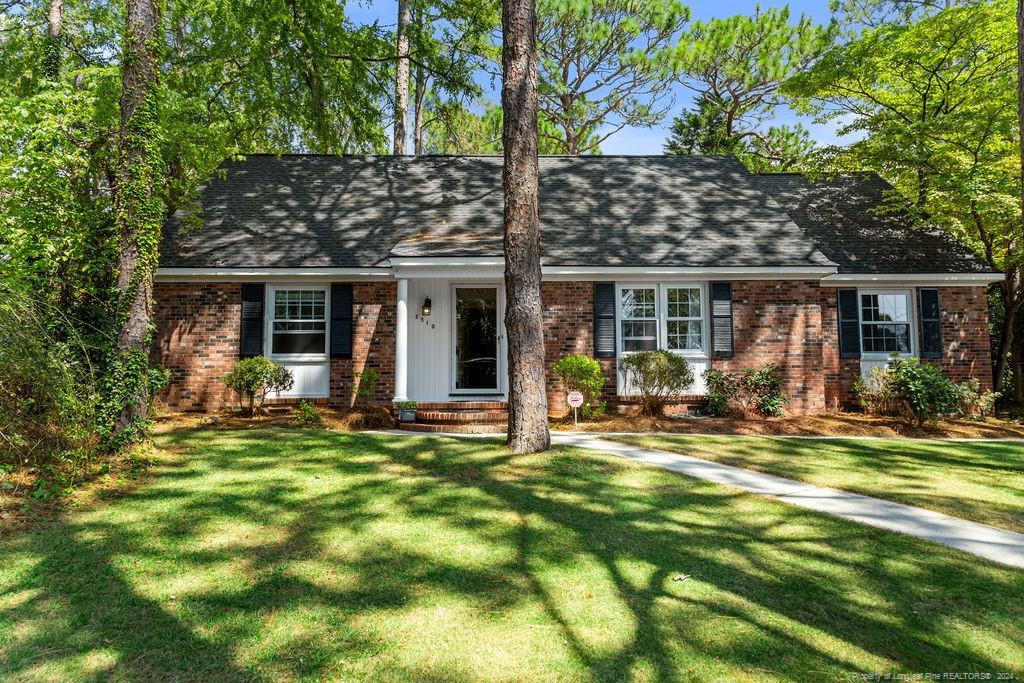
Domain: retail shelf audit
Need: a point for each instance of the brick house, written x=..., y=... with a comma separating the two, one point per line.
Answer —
x=334, y=264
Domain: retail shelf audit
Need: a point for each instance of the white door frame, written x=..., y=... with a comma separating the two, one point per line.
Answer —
x=501, y=342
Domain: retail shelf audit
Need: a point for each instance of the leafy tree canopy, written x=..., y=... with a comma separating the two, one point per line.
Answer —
x=736, y=66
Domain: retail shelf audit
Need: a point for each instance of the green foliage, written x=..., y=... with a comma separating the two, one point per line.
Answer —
x=47, y=392
x=737, y=66
x=975, y=404
x=906, y=388
x=722, y=387
x=702, y=130
x=604, y=65
x=656, y=376
x=306, y=413
x=253, y=378
x=405, y=405
x=365, y=383
x=754, y=392
x=584, y=374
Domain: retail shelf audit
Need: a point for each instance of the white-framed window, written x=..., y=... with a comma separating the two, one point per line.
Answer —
x=665, y=315
x=886, y=322
x=638, y=317
x=684, y=322
x=297, y=321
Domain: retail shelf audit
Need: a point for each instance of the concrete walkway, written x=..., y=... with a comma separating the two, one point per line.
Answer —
x=991, y=543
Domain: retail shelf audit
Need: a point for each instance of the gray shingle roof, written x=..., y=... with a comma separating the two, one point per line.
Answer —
x=839, y=214
x=352, y=211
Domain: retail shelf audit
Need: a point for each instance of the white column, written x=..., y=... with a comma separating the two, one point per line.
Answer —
x=402, y=343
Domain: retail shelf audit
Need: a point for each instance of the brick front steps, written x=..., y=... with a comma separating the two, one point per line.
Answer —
x=460, y=417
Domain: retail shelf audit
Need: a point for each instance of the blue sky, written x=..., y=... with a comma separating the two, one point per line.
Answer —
x=650, y=140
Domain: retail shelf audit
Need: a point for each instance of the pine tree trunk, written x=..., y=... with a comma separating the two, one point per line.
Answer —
x=528, y=406
x=402, y=77
x=139, y=211
x=418, y=94
x=54, y=31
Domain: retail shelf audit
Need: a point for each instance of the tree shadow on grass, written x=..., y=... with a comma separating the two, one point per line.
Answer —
x=913, y=601
x=311, y=554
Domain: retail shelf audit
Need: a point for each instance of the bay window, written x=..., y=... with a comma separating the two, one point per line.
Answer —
x=298, y=322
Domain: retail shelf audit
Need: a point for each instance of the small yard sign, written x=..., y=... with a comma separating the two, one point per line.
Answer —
x=575, y=400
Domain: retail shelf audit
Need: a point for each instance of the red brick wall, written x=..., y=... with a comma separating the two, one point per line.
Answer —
x=373, y=343
x=197, y=336
x=966, y=351
x=568, y=311
x=780, y=322
x=791, y=323
x=965, y=341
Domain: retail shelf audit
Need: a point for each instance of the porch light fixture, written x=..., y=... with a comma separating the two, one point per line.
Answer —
x=425, y=311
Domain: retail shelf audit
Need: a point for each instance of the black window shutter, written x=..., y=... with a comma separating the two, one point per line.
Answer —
x=251, y=338
x=849, y=324
x=931, y=323
x=721, y=319
x=604, y=319
x=341, y=320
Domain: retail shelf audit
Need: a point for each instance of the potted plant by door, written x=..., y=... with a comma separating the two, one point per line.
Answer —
x=406, y=411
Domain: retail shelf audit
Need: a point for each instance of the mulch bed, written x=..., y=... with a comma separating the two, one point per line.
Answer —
x=831, y=424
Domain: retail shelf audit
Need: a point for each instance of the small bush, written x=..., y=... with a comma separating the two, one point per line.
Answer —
x=307, y=414
x=366, y=381
x=908, y=389
x=755, y=392
x=583, y=374
x=656, y=376
x=976, y=404
x=253, y=378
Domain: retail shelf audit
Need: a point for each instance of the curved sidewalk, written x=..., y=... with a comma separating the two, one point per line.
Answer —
x=998, y=545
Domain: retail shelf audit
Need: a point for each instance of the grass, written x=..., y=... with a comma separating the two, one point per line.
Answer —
x=308, y=554
x=979, y=481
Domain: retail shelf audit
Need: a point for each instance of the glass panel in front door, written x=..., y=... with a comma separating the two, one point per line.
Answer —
x=476, y=338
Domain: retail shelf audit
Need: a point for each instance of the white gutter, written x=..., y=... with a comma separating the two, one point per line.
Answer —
x=919, y=279
x=248, y=274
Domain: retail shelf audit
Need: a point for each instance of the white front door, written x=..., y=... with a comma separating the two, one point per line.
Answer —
x=478, y=363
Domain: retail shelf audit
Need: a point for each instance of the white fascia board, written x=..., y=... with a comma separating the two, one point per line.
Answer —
x=915, y=279
x=269, y=274
x=472, y=267
x=701, y=273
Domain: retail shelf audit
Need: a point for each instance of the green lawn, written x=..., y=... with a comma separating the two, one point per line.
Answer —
x=283, y=554
x=980, y=481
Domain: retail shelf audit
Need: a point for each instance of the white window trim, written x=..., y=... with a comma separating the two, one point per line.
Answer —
x=268, y=327
x=912, y=322
x=661, y=316
x=619, y=319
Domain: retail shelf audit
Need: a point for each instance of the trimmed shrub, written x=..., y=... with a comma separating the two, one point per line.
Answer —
x=583, y=374
x=917, y=392
x=253, y=378
x=755, y=392
x=656, y=376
